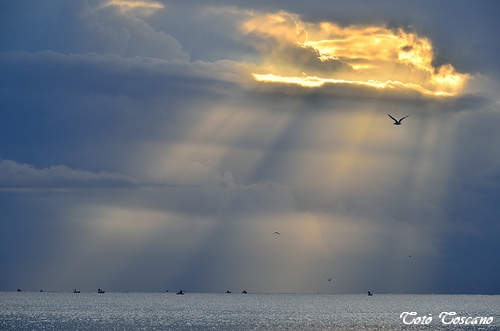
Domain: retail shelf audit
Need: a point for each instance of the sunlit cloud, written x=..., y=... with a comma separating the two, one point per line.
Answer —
x=312, y=54
x=282, y=25
x=145, y=8
x=313, y=81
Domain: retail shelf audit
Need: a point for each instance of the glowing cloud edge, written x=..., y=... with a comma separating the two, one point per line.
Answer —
x=314, y=82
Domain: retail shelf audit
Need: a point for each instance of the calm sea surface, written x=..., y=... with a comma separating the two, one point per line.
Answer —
x=195, y=311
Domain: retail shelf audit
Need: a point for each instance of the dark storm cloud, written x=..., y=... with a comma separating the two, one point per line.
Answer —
x=330, y=97
x=98, y=103
x=106, y=74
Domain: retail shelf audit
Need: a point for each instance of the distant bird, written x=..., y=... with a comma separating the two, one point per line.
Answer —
x=329, y=279
x=276, y=232
x=409, y=255
x=396, y=122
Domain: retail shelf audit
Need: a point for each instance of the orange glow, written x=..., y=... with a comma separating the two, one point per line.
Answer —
x=376, y=55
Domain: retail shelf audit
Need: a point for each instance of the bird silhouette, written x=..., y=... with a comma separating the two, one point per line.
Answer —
x=329, y=279
x=276, y=232
x=396, y=122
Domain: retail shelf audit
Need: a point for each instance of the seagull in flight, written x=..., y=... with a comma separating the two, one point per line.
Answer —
x=276, y=232
x=396, y=122
x=329, y=279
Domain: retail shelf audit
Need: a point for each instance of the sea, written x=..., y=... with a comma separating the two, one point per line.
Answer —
x=244, y=312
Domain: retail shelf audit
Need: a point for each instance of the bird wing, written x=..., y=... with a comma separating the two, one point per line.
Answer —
x=402, y=118
x=395, y=120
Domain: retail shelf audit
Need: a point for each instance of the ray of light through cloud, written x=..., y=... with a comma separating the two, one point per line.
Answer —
x=153, y=145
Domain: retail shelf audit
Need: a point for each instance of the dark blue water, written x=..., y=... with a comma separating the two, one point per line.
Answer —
x=193, y=311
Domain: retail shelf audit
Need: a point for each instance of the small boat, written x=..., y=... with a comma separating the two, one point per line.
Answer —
x=18, y=290
x=100, y=291
x=75, y=291
x=180, y=292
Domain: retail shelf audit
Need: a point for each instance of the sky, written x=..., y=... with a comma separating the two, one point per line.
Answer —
x=158, y=145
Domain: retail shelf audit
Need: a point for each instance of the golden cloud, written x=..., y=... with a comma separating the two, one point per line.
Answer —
x=142, y=7
x=312, y=54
